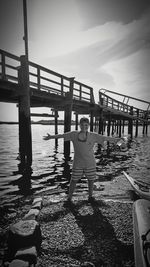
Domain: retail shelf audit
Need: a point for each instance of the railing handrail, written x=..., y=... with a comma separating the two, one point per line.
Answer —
x=121, y=106
x=7, y=54
x=85, y=92
x=126, y=96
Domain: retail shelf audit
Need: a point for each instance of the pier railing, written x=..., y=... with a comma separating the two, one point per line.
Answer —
x=42, y=78
x=108, y=102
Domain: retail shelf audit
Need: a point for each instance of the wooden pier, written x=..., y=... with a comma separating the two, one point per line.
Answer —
x=30, y=85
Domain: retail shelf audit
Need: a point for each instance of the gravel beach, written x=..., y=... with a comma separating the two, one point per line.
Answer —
x=85, y=234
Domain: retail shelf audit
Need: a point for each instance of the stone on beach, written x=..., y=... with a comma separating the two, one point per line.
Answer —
x=19, y=263
x=24, y=234
x=32, y=214
x=27, y=254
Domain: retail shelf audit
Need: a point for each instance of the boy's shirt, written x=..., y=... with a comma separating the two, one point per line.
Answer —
x=83, y=151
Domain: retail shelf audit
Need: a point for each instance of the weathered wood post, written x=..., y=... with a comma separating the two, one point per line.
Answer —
x=101, y=122
x=56, y=126
x=130, y=123
x=104, y=125
x=112, y=128
x=108, y=126
x=25, y=138
x=56, y=121
x=91, y=121
x=136, y=126
x=76, y=121
x=123, y=124
x=91, y=111
x=101, y=127
x=119, y=128
x=68, y=116
x=145, y=123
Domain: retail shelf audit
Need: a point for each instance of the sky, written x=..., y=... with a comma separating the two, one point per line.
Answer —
x=103, y=43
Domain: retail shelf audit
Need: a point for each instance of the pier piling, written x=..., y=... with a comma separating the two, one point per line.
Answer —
x=68, y=117
x=25, y=139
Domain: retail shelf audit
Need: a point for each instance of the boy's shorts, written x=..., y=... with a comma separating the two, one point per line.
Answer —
x=77, y=173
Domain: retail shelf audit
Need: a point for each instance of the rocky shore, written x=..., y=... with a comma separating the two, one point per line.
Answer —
x=85, y=234
x=100, y=234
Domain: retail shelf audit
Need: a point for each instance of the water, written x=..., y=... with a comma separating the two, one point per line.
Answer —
x=50, y=170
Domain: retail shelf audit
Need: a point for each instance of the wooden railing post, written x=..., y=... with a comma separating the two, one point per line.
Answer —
x=91, y=96
x=38, y=78
x=3, y=67
x=62, y=86
x=80, y=92
x=25, y=139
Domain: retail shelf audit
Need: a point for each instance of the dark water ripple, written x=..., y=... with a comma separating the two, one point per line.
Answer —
x=51, y=172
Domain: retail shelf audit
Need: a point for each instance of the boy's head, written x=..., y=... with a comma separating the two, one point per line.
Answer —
x=84, y=124
x=84, y=120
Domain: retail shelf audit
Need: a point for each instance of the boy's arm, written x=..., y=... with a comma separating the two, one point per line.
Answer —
x=112, y=139
x=56, y=136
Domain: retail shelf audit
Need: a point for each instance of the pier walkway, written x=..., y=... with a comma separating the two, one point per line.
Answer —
x=30, y=85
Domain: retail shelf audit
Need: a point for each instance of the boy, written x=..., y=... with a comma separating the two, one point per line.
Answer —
x=84, y=160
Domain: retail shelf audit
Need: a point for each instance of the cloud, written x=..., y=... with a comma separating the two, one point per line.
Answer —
x=113, y=56
x=98, y=12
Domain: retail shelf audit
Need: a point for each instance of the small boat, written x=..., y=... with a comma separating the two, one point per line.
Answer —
x=141, y=231
x=140, y=187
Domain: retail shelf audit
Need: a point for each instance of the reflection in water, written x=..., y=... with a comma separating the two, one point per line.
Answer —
x=53, y=173
x=51, y=170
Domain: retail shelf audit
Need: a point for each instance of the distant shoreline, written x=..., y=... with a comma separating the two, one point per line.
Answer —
x=42, y=122
x=48, y=122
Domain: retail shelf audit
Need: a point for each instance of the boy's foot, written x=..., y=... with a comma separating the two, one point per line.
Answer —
x=92, y=200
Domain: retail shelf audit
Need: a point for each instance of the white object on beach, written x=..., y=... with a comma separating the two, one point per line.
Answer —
x=141, y=230
x=140, y=187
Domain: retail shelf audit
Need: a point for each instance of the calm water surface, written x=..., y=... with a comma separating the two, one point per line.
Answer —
x=50, y=170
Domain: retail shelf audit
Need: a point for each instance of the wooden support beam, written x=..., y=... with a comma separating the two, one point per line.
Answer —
x=67, y=118
x=123, y=124
x=25, y=138
x=130, y=123
x=136, y=129
x=112, y=128
x=76, y=120
x=91, y=121
x=120, y=128
x=101, y=126
x=108, y=127
x=56, y=126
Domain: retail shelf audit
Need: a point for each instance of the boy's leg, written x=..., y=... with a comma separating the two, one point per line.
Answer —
x=76, y=175
x=91, y=175
x=71, y=188
x=90, y=185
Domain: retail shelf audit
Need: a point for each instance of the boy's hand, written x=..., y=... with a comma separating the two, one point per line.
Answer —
x=46, y=137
